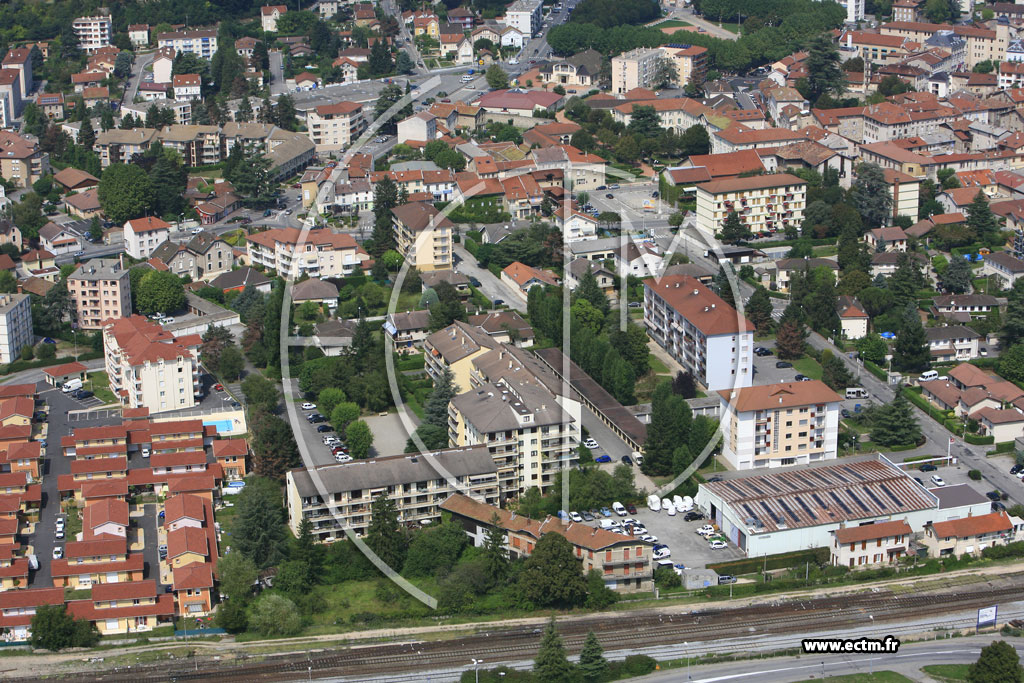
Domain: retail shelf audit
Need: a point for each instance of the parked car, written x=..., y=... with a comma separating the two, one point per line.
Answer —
x=308, y=406
x=994, y=496
x=603, y=458
x=218, y=387
x=661, y=552
x=718, y=544
x=844, y=412
x=58, y=553
x=575, y=516
x=928, y=467
x=324, y=428
x=609, y=195
x=145, y=452
x=59, y=534
x=631, y=509
x=587, y=517
x=799, y=377
x=726, y=579
x=650, y=538
x=590, y=443
x=706, y=530
x=1016, y=468
x=783, y=364
x=627, y=460
x=605, y=512
x=60, y=523
x=938, y=481
x=693, y=516
x=82, y=395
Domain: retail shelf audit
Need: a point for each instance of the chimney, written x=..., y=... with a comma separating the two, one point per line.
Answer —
x=695, y=292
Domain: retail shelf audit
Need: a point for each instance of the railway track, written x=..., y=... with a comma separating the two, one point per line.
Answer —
x=639, y=629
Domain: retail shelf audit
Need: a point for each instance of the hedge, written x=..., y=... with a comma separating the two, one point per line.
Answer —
x=979, y=440
x=876, y=371
x=411, y=362
x=472, y=246
x=780, y=561
x=922, y=403
x=823, y=242
x=1004, y=447
x=19, y=365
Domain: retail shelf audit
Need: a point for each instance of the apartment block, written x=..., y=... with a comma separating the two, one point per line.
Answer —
x=525, y=16
x=704, y=334
x=21, y=161
x=203, y=257
x=528, y=433
x=93, y=32
x=20, y=59
x=691, y=62
x=321, y=253
x=423, y=236
x=625, y=563
x=100, y=290
x=202, y=42
x=775, y=425
x=10, y=97
x=763, y=203
x=634, y=69
x=15, y=326
x=116, y=146
x=335, y=498
x=335, y=126
x=149, y=367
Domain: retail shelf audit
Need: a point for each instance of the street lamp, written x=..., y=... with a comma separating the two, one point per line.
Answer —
x=476, y=668
x=686, y=653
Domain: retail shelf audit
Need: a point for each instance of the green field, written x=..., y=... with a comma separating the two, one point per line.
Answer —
x=947, y=672
x=877, y=677
x=808, y=366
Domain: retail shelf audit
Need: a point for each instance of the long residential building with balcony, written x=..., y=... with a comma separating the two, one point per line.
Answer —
x=707, y=336
x=775, y=425
x=335, y=126
x=423, y=236
x=624, y=562
x=150, y=367
x=15, y=326
x=321, y=254
x=100, y=291
x=763, y=203
x=338, y=497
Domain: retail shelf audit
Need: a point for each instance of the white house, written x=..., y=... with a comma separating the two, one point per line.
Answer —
x=143, y=235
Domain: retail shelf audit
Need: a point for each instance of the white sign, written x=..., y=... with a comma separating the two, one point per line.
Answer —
x=987, y=616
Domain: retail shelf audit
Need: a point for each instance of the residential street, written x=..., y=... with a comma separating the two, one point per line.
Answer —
x=492, y=287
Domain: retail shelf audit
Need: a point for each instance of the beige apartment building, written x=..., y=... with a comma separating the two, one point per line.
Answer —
x=870, y=545
x=691, y=62
x=21, y=161
x=116, y=146
x=15, y=326
x=625, y=563
x=335, y=126
x=968, y=535
x=775, y=425
x=149, y=367
x=423, y=236
x=322, y=253
x=100, y=290
x=766, y=203
x=338, y=497
x=634, y=69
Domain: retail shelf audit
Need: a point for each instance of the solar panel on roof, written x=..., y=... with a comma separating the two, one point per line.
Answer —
x=756, y=490
x=839, y=477
x=788, y=511
x=805, y=507
x=819, y=501
x=858, y=501
x=841, y=503
x=733, y=488
x=889, y=493
x=853, y=473
x=880, y=504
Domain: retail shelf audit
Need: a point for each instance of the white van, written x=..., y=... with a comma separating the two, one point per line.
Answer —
x=654, y=503
x=928, y=376
x=71, y=385
x=608, y=523
x=619, y=509
x=856, y=392
x=671, y=509
x=33, y=563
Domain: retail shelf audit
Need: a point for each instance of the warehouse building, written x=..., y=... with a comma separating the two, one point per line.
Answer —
x=801, y=508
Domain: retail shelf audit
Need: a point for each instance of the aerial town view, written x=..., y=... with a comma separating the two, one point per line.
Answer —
x=512, y=340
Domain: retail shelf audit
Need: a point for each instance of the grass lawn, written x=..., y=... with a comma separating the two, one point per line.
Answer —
x=732, y=27
x=99, y=384
x=658, y=367
x=808, y=366
x=876, y=677
x=340, y=601
x=672, y=23
x=827, y=250
x=947, y=672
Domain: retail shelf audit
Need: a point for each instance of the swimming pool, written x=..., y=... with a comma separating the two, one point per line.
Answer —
x=221, y=425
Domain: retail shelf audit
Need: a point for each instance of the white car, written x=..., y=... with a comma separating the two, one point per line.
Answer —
x=513, y=61
x=59, y=534
x=718, y=544
x=665, y=502
x=58, y=553
x=639, y=530
x=60, y=523
x=308, y=406
x=575, y=516
x=196, y=231
x=341, y=457
x=938, y=481
x=650, y=538
x=591, y=444
x=706, y=530
x=671, y=510
x=145, y=452
x=167, y=321
x=661, y=553
x=654, y=503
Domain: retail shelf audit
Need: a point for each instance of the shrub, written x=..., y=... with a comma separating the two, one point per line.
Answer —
x=975, y=475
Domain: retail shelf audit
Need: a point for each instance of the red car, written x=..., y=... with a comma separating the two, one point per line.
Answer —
x=218, y=387
x=631, y=509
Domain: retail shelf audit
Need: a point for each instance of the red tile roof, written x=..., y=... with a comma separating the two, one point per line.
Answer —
x=698, y=304
x=870, y=532
x=973, y=526
x=124, y=591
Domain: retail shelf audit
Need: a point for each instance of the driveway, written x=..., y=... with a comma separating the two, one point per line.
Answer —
x=491, y=286
x=389, y=434
x=277, y=86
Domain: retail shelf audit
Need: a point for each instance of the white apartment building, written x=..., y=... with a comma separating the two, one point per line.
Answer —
x=524, y=16
x=143, y=235
x=201, y=42
x=763, y=203
x=953, y=343
x=187, y=86
x=335, y=126
x=423, y=236
x=148, y=367
x=634, y=69
x=527, y=432
x=93, y=32
x=775, y=425
x=854, y=10
x=704, y=334
x=338, y=497
x=323, y=254
x=15, y=326
x=100, y=290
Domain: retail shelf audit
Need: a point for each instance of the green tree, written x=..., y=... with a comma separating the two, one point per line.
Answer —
x=359, y=438
x=957, y=278
x=275, y=615
x=734, y=230
x=981, y=220
x=496, y=561
x=790, y=338
x=260, y=392
x=252, y=178
x=329, y=398
x=379, y=63
x=448, y=308
x=168, y=178
x=671, y=418
x=403, y=63
x=232, y=362
x=824, y=77
x=435, y=549
x=552, y=576
x=759, y=309
x=552, y=665
x=872, y=347
x=160, y=292
x=910, y=352
x=695, y=140
x=273, y=445
x=343, y=415
x=8, y=283
x=644, y=122
x=937, y=11
x=54, y=629
x=95, y=229
x=237, y=575
x=28, y=215
x=384, y=535
x=871, y=196
x=834, y=372
x=259, y=531
x=593, y=665
x=894, y=424
x=997, y=663
x=125, y=192
x=496, y=77
x=385, y=198
x=86, y=134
